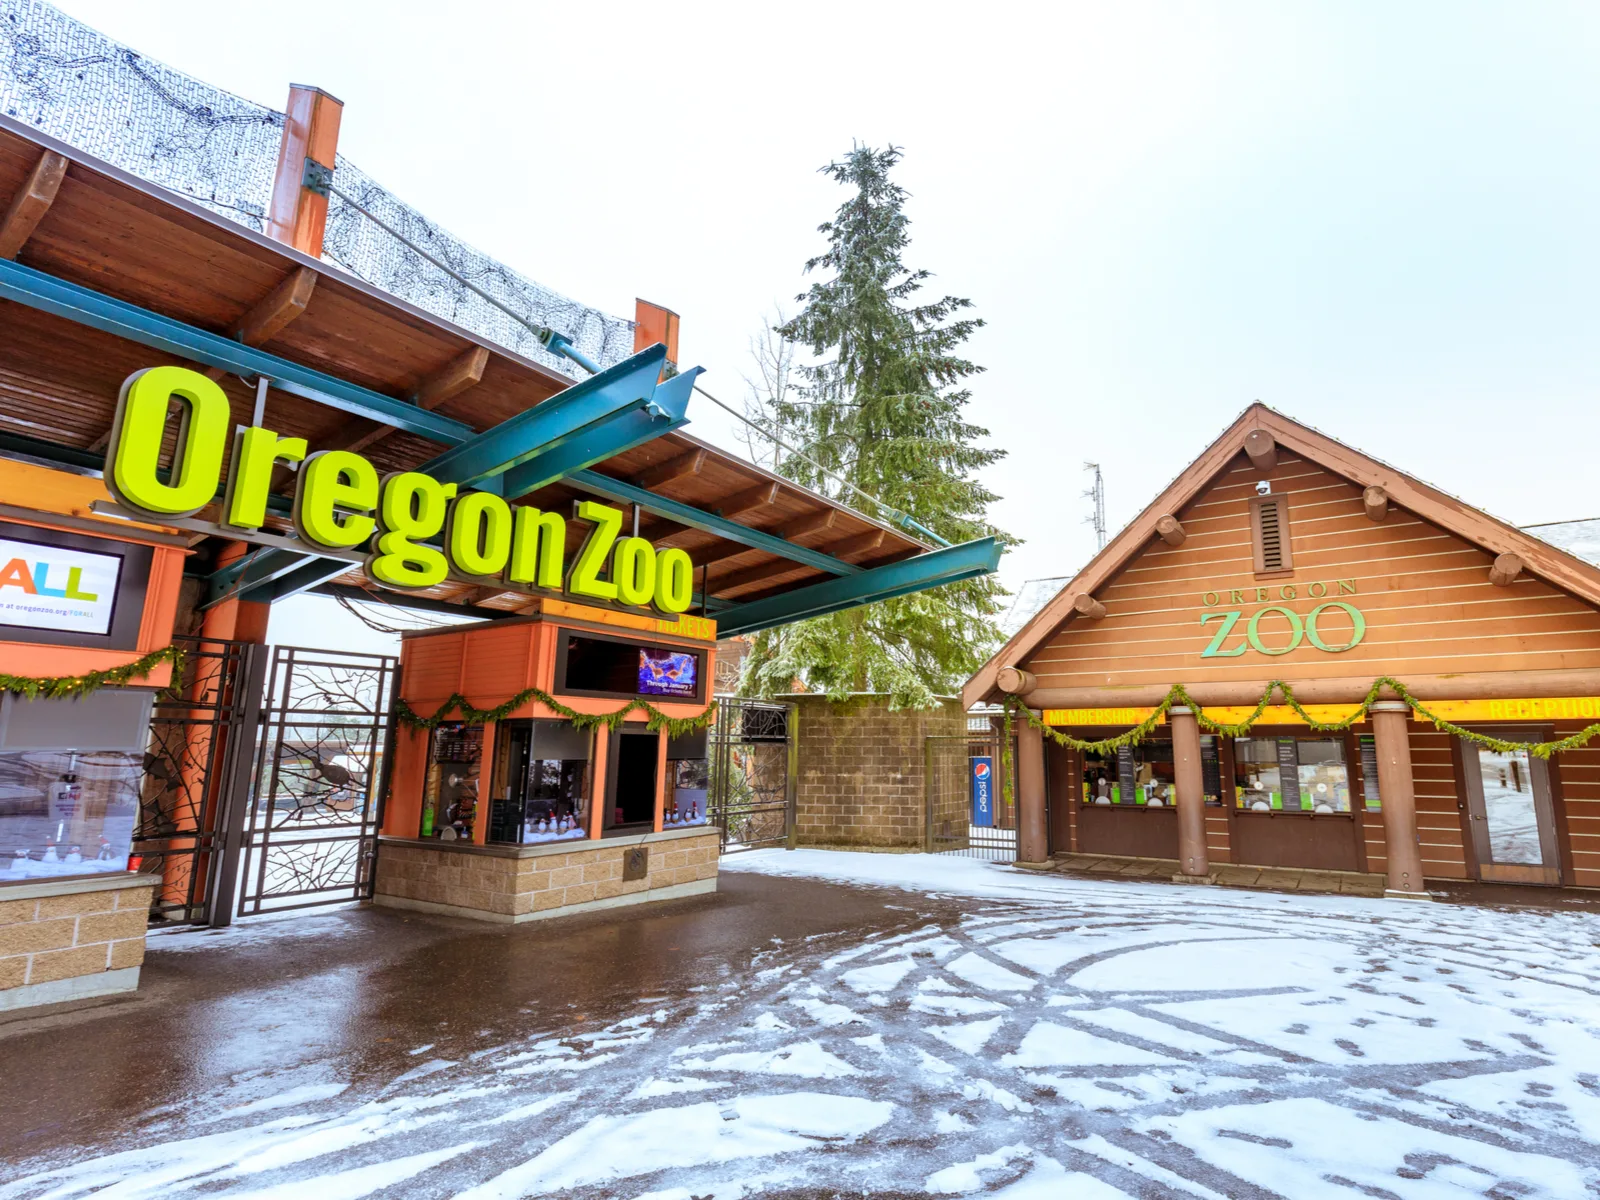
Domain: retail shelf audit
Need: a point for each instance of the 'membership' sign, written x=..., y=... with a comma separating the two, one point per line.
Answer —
x=341, y=503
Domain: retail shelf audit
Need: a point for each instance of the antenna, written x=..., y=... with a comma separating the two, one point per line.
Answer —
x=1097, y=493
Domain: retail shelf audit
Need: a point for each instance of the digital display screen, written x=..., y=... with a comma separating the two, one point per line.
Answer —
x=57, y=588
x=667, y=673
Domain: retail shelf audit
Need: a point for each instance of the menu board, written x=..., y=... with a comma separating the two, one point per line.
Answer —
x=1127, y=775
x=1289, y=774
x=1369, y=774
x=1210, y=769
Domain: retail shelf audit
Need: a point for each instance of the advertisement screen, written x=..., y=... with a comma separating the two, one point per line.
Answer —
x=667, y=673
x=48, y=587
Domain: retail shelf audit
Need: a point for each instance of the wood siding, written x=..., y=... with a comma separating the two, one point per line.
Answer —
x=1425, y=594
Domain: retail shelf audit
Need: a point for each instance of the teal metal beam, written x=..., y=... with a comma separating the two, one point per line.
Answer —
x=109, y=315
x=257, y=569
x=931, y=570
x=623, y=432
x=564, y=419
x=695, y=518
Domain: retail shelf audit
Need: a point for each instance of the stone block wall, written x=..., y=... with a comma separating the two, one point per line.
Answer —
x=862, y=769
x=58, y=944
x=522, y=883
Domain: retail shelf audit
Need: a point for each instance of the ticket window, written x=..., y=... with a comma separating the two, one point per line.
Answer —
x=450, y=792
x=688, y=781
x=1291, y=775
x=71, y=773
x=1145, y=776
x=540, y=791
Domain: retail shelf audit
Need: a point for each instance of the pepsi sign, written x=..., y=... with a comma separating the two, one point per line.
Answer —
x=983, y=791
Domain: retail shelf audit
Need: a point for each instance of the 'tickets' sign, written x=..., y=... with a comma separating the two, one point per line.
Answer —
x=341, y=503
x=50, y=587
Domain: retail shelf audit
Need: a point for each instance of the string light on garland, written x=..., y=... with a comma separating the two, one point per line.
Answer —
x=1179, y=696
x=72, y=687
x=471, y=715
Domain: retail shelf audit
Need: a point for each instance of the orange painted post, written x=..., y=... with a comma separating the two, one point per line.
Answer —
x=597, y=785
x=652, y=324
x=1397, y=788
x=299, y=214
x=1032, y=843
x=480, y=814
x=1193, y=864
x=661, y=780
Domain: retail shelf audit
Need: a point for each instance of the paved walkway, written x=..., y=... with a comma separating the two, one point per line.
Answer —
x=1277, y=879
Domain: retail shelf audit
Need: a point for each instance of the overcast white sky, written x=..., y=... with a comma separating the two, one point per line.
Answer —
x=1379, y=218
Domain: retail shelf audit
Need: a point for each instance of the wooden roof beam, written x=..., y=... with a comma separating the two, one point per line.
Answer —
x=674, y=468
x=463, y=371
x=1171, y=530
x=1262, y=449
x=813, y=522
x=30, y=204
x=860, y=543
x=748, y=500
x=753, y=574
x=270, y=315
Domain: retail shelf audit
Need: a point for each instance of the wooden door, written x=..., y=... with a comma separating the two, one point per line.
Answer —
x=1061, y=775
x=1511, y=815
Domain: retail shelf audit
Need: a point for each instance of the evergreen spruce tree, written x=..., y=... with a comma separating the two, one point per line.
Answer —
x=882, y=407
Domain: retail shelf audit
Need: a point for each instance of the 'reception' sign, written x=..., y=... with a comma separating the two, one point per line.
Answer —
x=341, y=503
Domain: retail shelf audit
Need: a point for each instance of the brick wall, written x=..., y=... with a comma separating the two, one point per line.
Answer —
x=861, y=778
x=518, y=883
x=46, y=939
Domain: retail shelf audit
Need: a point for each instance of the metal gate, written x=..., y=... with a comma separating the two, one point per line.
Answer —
x=202, y=735
x=753, y=770
x=948, y=764
x=306, y=831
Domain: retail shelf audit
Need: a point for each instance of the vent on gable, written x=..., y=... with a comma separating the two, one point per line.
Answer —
x=1269, y=534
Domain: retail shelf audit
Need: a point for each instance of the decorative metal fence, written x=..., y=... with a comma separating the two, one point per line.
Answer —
x=751, y=793
x=202, y=734
x=951, y=822
x=308, y=829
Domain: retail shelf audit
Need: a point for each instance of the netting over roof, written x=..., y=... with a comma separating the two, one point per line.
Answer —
x=73, y=83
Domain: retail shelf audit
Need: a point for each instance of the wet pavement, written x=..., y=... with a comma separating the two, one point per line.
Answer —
x=228, y=1017
x=834, y=1024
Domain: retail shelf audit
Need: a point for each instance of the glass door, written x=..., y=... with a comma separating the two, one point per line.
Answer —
x=1513, y=827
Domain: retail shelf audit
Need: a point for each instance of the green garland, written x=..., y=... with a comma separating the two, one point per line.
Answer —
x=675, y=726
x=1179, y=696
x=70, y=687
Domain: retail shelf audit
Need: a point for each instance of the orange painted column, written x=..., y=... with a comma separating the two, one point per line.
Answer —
x=1032, y=838
x=662, y=783
x=1391, y=738
x=1192, y=860
x=299, y=215
x=597, y=785
x=480, y=813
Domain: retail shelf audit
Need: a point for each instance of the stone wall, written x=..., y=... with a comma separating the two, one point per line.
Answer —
x=73, y=938
x=862, y=769
x=525, y=883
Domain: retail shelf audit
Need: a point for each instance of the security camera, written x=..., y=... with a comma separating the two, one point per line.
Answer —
x=1264, y=487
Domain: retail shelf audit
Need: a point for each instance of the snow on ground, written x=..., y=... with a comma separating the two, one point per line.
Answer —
x=1055, y=1038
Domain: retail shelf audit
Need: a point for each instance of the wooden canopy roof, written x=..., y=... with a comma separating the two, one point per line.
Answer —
x=82, y=221
x=1078, y=596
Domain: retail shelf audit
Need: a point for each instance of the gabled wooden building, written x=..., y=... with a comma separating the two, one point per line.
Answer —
x=1281, y=554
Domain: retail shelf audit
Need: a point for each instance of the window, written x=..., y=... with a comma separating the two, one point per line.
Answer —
x=1269, y=534
x=688, y=780
x=450, y=794
x=1291, y=775
x=65, y=813
x=1145, y=775
x=541, y=782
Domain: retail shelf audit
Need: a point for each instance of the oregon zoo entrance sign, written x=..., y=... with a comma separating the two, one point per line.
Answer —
x=1332, y=626
x=342, y=504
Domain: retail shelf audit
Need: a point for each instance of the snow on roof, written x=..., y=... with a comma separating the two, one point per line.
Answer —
x=1581, y=539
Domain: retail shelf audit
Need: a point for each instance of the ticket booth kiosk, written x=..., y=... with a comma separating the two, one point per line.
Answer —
x=538, y=809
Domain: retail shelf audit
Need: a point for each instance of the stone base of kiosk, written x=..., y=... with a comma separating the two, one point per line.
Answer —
x=1202, y=879
x=72, y=939
x=1396, y=894
x=512, y=884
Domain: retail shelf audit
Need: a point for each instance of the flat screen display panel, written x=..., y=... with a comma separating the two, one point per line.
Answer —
x=57, y=588
x=667, y=673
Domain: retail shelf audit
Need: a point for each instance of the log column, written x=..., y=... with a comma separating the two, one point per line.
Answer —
x=1193, y=865
x=1397, y=788
x=1033, y=845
